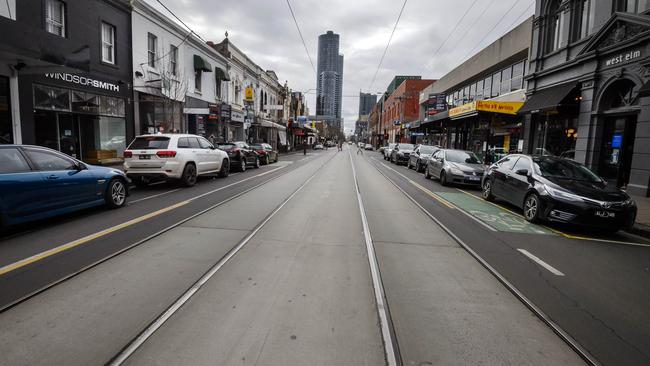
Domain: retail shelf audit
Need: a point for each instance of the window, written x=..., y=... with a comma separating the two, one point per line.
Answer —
x=204, y=143
x=152, y=47
x=631, y=6
x=496, y=83
x=12, y=161
x=487, y=87
x=506, y=75
x=466, y=95
x=517, y=76
x=50, y=161
x=554, y=27
x=197, y=81
x=522, y=163
x=108, y=43
x=149, y=142
x=583, y=19
x=183, y=143
x=472, y=92
x=173, y=59
x=479, y=90
x=507, y=163
x=55, y=17
x=194, y=143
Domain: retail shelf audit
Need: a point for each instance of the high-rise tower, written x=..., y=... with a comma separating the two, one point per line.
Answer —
x=329, y=78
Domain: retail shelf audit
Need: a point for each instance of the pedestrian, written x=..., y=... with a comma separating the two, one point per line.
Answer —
x=359, y=149
x=304, y=148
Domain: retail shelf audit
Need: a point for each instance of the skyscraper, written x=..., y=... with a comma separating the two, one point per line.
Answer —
x=329, y=81
x=366, y=102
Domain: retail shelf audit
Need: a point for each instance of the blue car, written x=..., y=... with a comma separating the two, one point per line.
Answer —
x=37, y=182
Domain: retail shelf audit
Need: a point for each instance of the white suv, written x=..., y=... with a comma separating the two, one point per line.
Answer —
x=173, y=156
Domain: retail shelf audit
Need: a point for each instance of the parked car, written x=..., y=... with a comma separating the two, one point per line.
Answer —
x=568, y=154
x=241, y=155
x=319, y=147
x=549, y=188
x=381, y=149
x=181, y=157
x=266, y=153
x=37, y=182
x=455, y=166
x=401, y=153
x=388, y=151
x=368, y=147
x=421, y=156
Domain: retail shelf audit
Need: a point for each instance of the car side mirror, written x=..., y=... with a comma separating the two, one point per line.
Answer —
x=523, y=172
x=81, y=166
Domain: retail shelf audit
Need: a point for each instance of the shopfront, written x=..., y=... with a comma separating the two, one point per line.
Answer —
x=6, y=124
x=160, y=114
x=85, y=117
x=236, y=126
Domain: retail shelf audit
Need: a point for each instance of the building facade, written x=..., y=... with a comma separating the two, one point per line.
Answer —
x=588, y=88
x=366, y=102
x=329, y=74
x=402, y=107
x=69, y=76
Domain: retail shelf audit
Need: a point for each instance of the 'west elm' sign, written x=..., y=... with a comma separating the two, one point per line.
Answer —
x=623, y=57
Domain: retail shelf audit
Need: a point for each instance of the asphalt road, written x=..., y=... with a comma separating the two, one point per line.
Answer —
x=596, y=287
x=319, y=260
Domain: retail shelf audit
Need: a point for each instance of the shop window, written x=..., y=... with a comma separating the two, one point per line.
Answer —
x=46, y=97
x=555, y=135
x=479, y=90
x=583, y=19
x=466, y=95
x=108, y=43
x=496, y=83
x=554, y=26
x=631, y=6
x=487, y=87
x=85, y=102
x=109, y=106
x=517, y=76
x=506, y=75
x=619, y=95
x=55, y=17
x=111, y=134
x=197, y=81
x=152, y=49
x=6, y=130
x=472, y=92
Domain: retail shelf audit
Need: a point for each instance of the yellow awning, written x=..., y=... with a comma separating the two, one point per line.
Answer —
x=486, y=106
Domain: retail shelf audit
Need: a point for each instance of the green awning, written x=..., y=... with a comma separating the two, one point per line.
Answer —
x=200, y=64
x=221, y=74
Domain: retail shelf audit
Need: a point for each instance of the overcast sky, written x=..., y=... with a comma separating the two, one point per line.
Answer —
x=265, y=30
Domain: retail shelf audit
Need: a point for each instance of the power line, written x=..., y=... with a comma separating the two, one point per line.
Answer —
x=522, y=14
x=179, y=19
x=453, y=30
x=301, y=37
x=388, y=44
x=490, y=31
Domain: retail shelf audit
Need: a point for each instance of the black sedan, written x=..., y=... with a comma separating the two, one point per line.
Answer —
x=241, y=155
x=549, y=188
x=421, y=156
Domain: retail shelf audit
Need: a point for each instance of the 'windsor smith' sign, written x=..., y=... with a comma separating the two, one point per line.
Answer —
x=82, y=80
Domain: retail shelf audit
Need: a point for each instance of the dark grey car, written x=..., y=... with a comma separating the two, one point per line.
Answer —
x=455, y=166
x=401, y=153
x=420, y=157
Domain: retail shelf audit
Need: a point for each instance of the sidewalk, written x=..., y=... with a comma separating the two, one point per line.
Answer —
x=642, y=225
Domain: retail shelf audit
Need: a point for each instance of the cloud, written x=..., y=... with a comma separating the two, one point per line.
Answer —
x=265, y=30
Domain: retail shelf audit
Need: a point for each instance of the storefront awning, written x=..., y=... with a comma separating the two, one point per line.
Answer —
x=548, y=98
x=220, y=74
x=200, y=64
x=267, y=123
x=283, y=137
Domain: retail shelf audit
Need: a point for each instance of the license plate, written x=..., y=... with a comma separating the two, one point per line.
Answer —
x=605, y=214
x=475, y=178
x=145, y=157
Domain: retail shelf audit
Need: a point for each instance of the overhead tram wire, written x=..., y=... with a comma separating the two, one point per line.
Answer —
x=521, y=15
x=488, y=33
x=179, y=19
x=453, y=30
x=301, y=37
x=388, y=44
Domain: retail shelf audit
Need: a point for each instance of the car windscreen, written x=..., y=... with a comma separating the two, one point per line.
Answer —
x=149, y=143
x=225, y=146
x=256, y=147
x=456, y=156
x=427, y=149
x=564, y=169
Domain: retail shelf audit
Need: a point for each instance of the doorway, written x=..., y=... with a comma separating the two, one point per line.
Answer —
x=618, y=149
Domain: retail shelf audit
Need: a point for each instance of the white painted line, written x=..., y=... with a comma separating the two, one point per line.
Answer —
x=541, y=262
x=154, y=196
x=235, y=183
x=120, y=358
x=391, y=359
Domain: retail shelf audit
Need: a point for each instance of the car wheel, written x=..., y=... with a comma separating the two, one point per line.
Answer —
x=427, y=175
x=487, y=191
x=408, y=164
x=225, y=168
x=418, y=166
x=532, y=208
x=257, y=163
x=242, y=164
x=443, y=178
x=188, y=178
x=267, y=160
x=115, y=195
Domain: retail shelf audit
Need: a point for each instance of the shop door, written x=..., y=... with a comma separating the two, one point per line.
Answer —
x=68, y=135
x=617, y=151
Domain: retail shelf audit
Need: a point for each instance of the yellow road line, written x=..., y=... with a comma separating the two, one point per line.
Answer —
x=423, y=189
x=48, y=253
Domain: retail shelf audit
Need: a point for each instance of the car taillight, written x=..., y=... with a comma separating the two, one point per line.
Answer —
x=166, y=154
x=236, y=151
x=127, y=154
x=260, y=151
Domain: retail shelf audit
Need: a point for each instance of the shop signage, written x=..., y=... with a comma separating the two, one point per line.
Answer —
x=83, y=80
x=248, y=94
x=236, y=116
x=224, y=112
x=396, y=123
x=623, y=57
x=486, y=106
x=462, y=109
x=417, y=133
x=214, y=112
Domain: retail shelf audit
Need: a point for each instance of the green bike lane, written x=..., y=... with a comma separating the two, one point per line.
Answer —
x=580, y=281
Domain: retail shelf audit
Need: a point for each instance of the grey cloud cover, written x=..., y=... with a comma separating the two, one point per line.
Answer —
x=266, y=32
